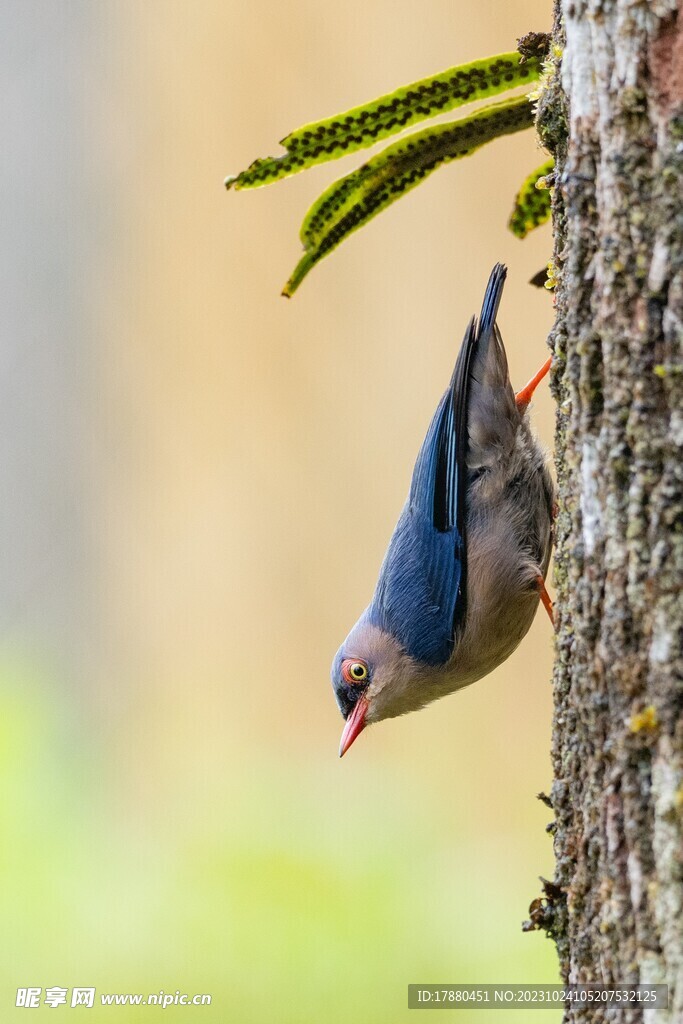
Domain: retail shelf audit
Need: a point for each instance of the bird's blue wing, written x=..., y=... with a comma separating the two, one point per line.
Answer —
x=421, y=597
x=418, y=588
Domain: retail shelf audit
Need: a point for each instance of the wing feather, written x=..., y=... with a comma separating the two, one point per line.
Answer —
x=421, y=592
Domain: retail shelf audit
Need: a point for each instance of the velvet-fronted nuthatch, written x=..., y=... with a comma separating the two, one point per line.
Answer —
x=466, y=565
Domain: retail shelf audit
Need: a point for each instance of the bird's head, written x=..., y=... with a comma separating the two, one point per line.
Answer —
x=373, y=678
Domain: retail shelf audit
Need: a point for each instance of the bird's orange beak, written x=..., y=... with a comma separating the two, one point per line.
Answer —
x=355, y=724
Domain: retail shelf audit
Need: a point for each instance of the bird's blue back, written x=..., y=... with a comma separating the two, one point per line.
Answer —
x=420, y=597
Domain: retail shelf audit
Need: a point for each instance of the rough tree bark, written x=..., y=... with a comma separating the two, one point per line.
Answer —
x=613, y=116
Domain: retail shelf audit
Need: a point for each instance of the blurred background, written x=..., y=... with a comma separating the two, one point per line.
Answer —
x=199, y=482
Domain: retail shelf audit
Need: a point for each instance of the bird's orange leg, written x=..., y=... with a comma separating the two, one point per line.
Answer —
x=524, y=396
x=545, y=598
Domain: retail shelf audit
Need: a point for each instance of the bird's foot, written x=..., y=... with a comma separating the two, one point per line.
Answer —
x=545, y=599
x=524, y=396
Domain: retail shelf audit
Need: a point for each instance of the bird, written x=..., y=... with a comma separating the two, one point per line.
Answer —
x=466, y=565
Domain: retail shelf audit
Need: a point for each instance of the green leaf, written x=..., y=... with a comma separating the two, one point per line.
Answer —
x=532, y=203
x=355, y=199
x=363, y=126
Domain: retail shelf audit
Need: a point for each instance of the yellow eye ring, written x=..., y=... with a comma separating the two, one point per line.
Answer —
x=354, y=672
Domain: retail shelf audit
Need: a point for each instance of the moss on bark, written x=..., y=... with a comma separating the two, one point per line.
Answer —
x=612, y=115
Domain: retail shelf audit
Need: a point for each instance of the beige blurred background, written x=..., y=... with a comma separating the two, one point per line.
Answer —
x=200, y=480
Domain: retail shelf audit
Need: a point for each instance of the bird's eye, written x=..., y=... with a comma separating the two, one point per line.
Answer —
x=354, y=672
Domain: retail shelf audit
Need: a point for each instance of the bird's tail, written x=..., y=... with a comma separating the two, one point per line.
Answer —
x=492, y=297
x=492, y=416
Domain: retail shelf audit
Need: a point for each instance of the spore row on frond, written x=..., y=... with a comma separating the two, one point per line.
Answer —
x=363, y=126
x=354, y=200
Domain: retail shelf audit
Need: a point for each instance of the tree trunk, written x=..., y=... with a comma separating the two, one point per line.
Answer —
x=612, y=113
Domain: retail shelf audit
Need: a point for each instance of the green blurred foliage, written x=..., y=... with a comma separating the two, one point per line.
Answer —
x=275, y=922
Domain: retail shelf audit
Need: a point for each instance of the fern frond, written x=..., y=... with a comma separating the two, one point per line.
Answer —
x=532, y=202
x=362, y=126
x=355, y=199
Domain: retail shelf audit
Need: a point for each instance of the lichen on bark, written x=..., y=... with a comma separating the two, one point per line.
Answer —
x=612, y=116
